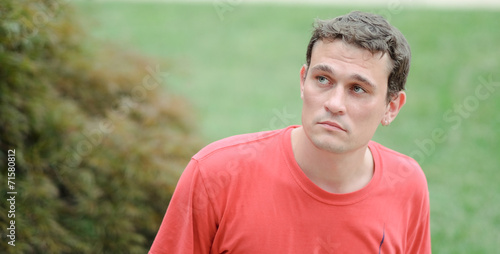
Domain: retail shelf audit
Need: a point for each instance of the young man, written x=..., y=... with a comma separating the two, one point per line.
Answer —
x=323, y=187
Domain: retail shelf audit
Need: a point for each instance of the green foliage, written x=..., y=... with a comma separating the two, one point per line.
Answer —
x=99, y=143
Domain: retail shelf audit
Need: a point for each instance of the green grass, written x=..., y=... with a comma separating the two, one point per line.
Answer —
x=241, y=74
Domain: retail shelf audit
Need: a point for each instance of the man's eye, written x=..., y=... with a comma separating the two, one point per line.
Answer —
x=358, y=89
x=322, y=80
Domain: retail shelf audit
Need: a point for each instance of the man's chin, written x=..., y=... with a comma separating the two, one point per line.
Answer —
x=329, y=144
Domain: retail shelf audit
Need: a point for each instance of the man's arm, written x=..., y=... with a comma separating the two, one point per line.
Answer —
x=189, y=224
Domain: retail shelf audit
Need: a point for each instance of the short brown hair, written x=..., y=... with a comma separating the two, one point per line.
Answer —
x=371, y=32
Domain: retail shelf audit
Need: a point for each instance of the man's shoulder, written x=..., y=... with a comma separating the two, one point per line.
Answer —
x=390, y=154
x=398, y=166
x=239, y=144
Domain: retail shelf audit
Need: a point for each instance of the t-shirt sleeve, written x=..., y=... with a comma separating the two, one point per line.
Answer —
x=189, y=224
x=419, y=238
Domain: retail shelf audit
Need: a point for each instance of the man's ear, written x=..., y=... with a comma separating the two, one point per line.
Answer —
x=303, y=73
x=393, y=107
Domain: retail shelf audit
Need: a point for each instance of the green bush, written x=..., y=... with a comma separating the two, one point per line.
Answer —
x=99, y=143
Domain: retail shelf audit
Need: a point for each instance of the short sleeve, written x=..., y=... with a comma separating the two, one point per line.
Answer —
x=189, y=224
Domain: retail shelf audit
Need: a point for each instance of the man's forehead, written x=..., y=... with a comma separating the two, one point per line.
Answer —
x=360, y=53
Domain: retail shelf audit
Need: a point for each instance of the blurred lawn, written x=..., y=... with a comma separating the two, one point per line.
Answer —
x=241, y=73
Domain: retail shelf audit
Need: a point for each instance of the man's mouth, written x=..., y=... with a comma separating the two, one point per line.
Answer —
x=332, y=125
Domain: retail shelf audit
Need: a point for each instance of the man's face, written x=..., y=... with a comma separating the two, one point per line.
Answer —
x=344, y=96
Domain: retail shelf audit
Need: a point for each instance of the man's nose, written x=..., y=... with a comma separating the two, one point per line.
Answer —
x=335, y=103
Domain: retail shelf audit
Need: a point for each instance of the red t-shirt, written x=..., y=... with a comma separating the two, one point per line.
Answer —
x=247, y=194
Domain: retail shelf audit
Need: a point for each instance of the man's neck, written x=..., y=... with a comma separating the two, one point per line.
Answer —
x=335, y=173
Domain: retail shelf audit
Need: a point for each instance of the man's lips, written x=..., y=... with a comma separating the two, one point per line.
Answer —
x=332, y=125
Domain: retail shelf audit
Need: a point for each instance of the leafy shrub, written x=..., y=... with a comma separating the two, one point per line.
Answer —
x=99, y=143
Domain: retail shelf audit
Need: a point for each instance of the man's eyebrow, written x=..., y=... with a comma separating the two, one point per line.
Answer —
x=363, y=80
x=329, y=69
x=323, y=67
